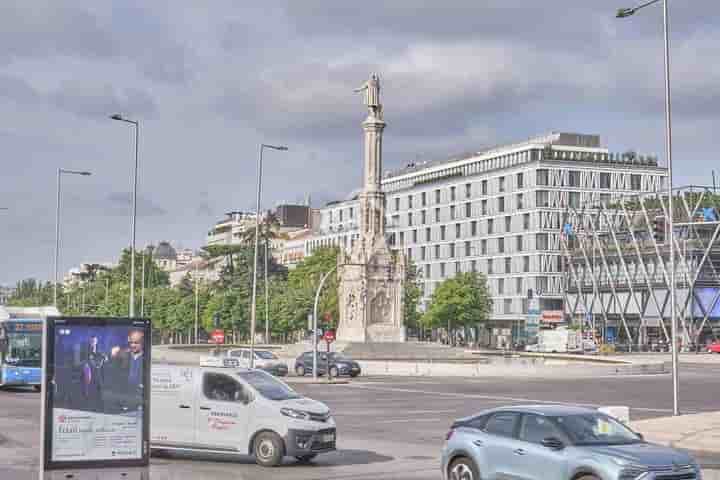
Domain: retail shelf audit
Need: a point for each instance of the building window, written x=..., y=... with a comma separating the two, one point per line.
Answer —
x=542, y=198
x=501, y=204
x=542, y=177
x=473, y=266
x=452, y=194
x=437, y=196
x=519, y=243
x=501, y=286
x=518, y=285
x=483, y=206
x=501, y=245
x=501, y=184
x=437, y=214
x=604, y=179
x=508, y=223
x=490, y=266
x=352, y=213
x=422, y=254
x=605, y=199
x=341, y=215
x=467, y=249
x=427, y=270
x=423, y=216
x=452, y=212
x=452, y=250
x=410, y=205
x=468, y=190
x=541, y=241
x=507, y=306
x=415, y=236
x=468, y=210
x=574, y=199
x=520, y=204
x=427, y=234
x=457, y=267
x=520, y=181
x=423, y=198
x=526, y=221
x=409, y=253
x=573, y=178
x=457, y=230
x=397, y=204
x=483, y=247
x=526, y=264
x=437, y=251
x=483, y=187
x=410, y=219
x=473, y=228
x=442, y=270
x=442, y=232
x=402, y=238
x=635, y=182
x=490, y=226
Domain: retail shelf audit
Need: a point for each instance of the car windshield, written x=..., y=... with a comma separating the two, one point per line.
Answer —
x=265, y=355
x=596, y=429
x=268, y=386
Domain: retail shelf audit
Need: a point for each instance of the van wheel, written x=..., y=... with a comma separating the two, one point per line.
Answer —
x=269, y=449
x=306, y=458
x=300, y=371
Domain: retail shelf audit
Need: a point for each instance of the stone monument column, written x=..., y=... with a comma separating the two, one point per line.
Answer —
x=371, y=278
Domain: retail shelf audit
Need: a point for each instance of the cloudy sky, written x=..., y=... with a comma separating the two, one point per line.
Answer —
x=211, y=80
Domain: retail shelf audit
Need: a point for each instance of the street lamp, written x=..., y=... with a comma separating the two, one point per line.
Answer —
x=136, y=124
x=60, y=172
x=622, y=13
x=255, y=261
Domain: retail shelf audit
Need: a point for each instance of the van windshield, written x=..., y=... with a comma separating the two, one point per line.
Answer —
x=268, y=386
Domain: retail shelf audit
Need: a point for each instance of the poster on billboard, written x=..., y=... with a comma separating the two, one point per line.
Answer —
x=96, y=393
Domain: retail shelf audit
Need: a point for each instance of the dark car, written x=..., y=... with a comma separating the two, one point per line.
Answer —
x=339, y=364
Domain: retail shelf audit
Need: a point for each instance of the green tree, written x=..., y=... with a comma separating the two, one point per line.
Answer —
x=460, y=301
x=411, y=296
x=304, y=279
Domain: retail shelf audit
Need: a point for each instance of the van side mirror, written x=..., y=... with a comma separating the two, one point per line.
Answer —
x=553, y=443
x=640, y=436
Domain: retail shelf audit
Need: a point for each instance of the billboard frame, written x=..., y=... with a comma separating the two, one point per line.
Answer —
x=47, y=464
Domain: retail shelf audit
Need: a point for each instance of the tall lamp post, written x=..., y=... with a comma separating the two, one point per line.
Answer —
x=253, y=309
x=136, y=124
x=623, y=13
x=60, y=172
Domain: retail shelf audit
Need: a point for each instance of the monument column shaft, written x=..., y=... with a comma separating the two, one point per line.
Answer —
x=372, y=200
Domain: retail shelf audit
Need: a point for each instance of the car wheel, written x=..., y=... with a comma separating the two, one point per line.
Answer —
x=588, y=477
x=306, y=458
x=300, y=370
x=463, y=469
x=269, y=449
x=334, y=372
x=353, y=375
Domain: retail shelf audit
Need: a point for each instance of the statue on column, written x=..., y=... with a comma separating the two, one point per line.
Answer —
x=372, y=95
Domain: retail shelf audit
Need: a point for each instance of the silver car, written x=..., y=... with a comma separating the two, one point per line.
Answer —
x=551, y=442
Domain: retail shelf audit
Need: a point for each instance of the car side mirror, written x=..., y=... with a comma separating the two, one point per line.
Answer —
x=553, y=443
x=640, y=436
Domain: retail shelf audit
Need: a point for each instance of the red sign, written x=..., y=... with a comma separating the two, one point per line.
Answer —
x=218, y=336
x=552, y=316
x=329, y=336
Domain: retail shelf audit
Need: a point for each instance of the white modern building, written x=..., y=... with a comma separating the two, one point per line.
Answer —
x=498, y=212
x=229, y=231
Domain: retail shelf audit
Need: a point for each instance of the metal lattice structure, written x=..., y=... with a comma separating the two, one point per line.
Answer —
x=616, y=262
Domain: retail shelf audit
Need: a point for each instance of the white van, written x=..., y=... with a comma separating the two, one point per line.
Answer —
x=236, y=410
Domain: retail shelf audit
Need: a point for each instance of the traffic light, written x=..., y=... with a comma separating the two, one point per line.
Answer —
x=659, y=229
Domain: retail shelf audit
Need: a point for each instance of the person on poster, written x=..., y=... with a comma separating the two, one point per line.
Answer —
x=89, y=361
x=127, y=366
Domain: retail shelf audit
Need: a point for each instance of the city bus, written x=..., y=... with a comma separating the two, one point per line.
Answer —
x=21, y=331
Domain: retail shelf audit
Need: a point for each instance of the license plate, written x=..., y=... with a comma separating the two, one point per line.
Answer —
x=328, y=437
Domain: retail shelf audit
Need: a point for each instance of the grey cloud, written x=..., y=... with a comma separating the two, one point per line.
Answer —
x=97, y=100
x=120, y=204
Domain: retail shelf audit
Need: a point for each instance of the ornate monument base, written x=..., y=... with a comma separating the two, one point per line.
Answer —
x=371, y=278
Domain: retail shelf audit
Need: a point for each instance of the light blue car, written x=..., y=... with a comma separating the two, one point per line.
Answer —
x=555, y=442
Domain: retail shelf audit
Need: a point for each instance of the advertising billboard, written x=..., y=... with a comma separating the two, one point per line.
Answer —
x=96, y=393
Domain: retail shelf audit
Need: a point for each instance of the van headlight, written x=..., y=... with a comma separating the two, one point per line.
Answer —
x=296, y=414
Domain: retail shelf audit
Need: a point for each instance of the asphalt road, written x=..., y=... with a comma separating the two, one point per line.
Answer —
x=388, y=428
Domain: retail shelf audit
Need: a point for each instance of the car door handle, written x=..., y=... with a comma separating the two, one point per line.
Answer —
x=204, y=408
x=520, y=451
x=478, y=443
x=184, y=406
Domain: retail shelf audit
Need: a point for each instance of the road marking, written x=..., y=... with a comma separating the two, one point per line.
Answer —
x=347, y=413
x=504, y=398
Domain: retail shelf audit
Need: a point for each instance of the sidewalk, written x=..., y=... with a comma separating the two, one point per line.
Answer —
x=699, y=434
